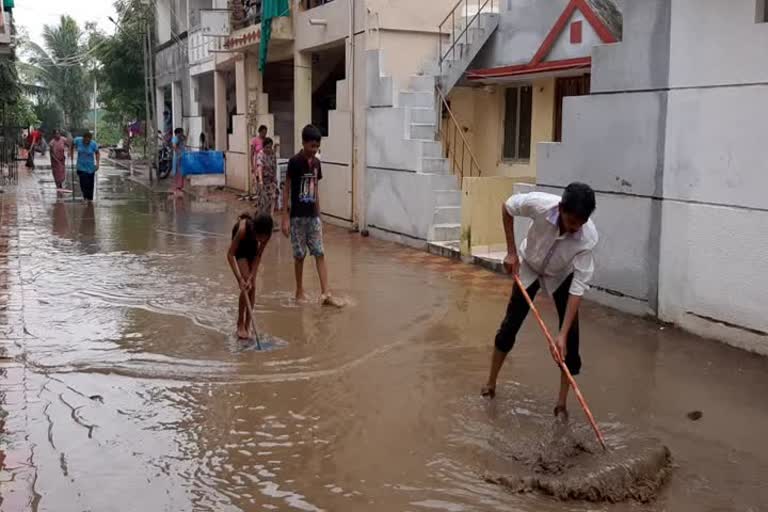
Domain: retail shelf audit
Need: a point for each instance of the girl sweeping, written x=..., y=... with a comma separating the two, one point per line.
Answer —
x=250, y=236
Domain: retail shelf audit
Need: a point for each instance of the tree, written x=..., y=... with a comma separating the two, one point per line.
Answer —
x=121, y=62
x=59, y=70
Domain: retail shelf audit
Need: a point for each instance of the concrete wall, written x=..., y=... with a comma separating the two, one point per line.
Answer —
x=522, y=28
x=163, y=20
x=564, y=49
x=676, y=154
x=481, y=200
x=407, y=15
x=481, y=112
x=713, y=270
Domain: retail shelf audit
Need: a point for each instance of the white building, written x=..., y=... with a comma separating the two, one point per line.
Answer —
x=673, y=140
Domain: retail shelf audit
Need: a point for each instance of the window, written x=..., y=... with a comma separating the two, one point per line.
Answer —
x=517, y=123
x=762, y=11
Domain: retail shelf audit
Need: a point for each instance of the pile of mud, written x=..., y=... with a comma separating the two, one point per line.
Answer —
x=569, y=467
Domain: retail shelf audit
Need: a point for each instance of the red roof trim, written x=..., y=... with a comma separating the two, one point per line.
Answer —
x=594, y=20
x=526, y=69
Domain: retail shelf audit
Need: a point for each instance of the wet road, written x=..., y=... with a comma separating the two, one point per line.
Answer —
x=126, y=389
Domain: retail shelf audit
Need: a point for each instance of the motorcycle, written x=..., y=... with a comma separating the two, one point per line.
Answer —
x=164, y=163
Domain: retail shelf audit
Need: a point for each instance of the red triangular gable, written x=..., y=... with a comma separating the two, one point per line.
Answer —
x=600, y=28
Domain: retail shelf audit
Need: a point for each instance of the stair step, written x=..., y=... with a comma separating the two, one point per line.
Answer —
x=431, y=149
x=447, y=198
x=447, y=215
x=417, y=99
x=422, y=115
x=422, y=83
x=435, y=165
x=446, y=232
x=423, y=131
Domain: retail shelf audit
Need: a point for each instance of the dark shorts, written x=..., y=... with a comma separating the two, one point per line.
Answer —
x=517, y=310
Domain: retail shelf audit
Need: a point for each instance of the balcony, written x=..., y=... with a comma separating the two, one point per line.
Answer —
x=202, y=46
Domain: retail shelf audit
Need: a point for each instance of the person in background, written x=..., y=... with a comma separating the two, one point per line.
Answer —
x=204, y=142
x=33, y=143
x=88, y=160
x=58, y=147
x=556, y=255
x=257, y=143
x=266, y=178
x=178, y=143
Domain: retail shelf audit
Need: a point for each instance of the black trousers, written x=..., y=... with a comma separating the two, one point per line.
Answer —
x=87, y=180
x=517, y=310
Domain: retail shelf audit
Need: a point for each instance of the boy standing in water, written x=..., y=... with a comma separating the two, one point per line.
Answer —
x=301, y=212
x=556, y=255
x=88, y=160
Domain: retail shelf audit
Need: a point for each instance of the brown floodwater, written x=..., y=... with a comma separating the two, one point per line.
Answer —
x=132, y=392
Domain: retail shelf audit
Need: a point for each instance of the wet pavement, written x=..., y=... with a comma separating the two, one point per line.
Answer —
x=126, y=389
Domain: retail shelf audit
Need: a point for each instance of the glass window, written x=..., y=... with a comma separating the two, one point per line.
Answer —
x=518, y=111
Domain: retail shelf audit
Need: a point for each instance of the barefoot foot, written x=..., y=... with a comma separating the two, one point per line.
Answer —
x=488, y=392
x=329, y=300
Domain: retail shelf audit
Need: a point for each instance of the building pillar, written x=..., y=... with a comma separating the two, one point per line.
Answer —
x=241, y=85
x=302, y=94
x=220, y=110
x=176, y=104
x=160, y=108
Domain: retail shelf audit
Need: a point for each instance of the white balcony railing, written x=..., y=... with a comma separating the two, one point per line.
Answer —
x=201, y=46
x=5, y=26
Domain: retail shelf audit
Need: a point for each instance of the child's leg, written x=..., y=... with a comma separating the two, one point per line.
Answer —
x=316, y=249
x=298, y=268
x=299, y=243
x=243, y=318
x=322, y=272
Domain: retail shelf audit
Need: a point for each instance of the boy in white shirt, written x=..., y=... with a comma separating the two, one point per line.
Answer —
x=556, y=255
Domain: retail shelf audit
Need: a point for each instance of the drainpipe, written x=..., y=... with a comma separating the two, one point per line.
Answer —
x=351, y=92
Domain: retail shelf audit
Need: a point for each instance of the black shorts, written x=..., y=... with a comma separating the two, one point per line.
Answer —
x=517, y=310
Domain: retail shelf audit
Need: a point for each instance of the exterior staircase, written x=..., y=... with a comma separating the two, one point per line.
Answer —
x=416, y=112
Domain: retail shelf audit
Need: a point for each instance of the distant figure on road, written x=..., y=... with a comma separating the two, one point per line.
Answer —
x=301, y=214
x=178, y=143
x=556, y=255
x=266, y=179
x=88, y=161
x=249, y=239
x=58, y=147
x=33, y=146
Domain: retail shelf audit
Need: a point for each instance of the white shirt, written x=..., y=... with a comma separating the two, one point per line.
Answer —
x=545, y=253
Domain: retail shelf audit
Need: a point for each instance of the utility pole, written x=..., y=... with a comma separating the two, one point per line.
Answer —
x=147, y=112
x=95, y=110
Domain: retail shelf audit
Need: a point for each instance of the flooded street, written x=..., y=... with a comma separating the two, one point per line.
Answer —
x=126, y=388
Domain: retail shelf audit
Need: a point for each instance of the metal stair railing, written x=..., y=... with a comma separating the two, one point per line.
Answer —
x=460, y=34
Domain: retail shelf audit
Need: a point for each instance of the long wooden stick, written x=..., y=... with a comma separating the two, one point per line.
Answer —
x=248, y=305
x=561, y=363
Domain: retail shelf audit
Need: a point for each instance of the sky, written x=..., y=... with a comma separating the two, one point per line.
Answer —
x=33, y=14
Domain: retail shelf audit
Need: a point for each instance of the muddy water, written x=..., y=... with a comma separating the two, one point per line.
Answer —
x=138, y=397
